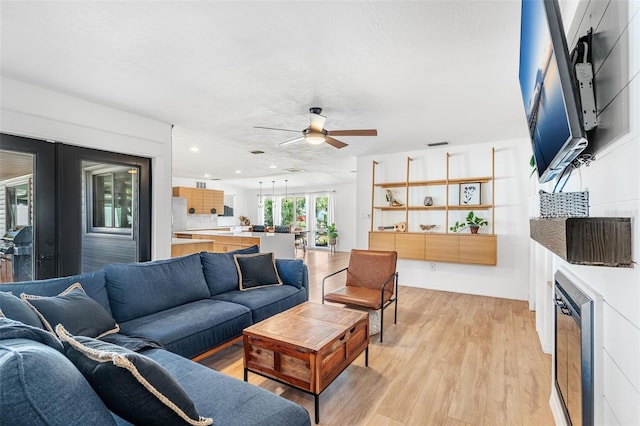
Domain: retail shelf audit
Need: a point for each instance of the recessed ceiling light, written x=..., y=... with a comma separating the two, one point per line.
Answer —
x=238, y=171
x=273, y=166
x=194, y=149
x=207, y=175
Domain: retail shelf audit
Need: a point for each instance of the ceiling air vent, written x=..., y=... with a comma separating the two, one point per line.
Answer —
x=202, y=185
x=431, y=145
x=257, y=151
x=293, y=170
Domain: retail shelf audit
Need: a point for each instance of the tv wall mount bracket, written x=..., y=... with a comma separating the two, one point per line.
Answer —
x=581, y=57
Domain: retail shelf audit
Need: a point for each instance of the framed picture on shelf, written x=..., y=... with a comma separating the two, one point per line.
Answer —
x=470, y=194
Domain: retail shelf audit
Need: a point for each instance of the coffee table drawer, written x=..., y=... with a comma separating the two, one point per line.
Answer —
x=336, y=356
x=280, y=361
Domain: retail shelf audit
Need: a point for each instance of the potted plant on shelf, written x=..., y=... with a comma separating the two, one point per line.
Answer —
x=332, y=234
x=472, y=222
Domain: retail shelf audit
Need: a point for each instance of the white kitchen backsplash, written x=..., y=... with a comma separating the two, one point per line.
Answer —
x=202, y=221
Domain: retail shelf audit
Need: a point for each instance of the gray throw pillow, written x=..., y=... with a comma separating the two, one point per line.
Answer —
x=14, y=308
x=76, y=311
x=133, y=386
x=256, y=270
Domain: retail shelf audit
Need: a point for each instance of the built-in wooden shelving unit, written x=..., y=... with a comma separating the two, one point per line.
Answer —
x=435, y=246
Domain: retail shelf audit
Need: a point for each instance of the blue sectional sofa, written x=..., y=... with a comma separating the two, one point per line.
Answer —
x=188, y=305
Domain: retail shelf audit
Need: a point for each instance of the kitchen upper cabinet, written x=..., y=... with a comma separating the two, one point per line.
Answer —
x=201, y=201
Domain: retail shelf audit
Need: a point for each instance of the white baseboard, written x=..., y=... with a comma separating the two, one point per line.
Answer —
x=556, y=408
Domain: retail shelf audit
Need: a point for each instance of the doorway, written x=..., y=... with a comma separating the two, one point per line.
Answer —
x=54, y=188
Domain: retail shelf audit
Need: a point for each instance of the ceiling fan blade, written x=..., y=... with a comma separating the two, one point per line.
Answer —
x=317, y=122
x=301, y=138
x=275, y=128
x=335, y=142
x=366, y=132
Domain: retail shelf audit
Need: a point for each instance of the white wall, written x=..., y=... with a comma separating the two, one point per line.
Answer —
x=510, y=278
x=34, y=112
x=613, y=182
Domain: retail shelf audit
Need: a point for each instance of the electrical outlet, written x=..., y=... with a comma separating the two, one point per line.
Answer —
x=432, y=267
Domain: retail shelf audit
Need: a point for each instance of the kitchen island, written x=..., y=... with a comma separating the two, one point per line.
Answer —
x=280, y=244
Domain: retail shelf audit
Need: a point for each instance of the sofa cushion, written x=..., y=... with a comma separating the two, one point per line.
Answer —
x=75, y=310
x=256, y=270
x=193, y=328
x=291, y=271
x=93, y=284
x=230, y=401
x=220, y=270
x=40, y=386
x=133, y=386
x=14, y=308
x=267, y=301
x=139, y=289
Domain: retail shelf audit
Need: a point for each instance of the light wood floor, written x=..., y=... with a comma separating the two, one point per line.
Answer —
x=452, y=359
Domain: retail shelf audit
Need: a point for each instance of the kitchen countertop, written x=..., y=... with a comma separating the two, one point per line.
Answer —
x=232, y=234
x=177, y=241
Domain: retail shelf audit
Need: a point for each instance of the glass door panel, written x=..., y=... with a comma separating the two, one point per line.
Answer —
x=16, y=218
x=27, y=209
x=109, y=214
x=321, y=218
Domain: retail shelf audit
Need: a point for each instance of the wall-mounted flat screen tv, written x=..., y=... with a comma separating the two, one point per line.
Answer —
x=548, y=91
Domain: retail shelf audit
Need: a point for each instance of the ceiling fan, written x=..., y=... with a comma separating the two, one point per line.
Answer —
x=316, y=134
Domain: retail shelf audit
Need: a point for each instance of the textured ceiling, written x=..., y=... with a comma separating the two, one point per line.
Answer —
x=419, y=72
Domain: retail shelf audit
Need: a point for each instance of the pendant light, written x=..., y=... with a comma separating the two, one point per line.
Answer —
x=260, y=204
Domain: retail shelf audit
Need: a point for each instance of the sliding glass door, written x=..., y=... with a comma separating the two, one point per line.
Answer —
x=66, y=209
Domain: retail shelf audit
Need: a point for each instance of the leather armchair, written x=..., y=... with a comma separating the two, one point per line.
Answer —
x=371, y=283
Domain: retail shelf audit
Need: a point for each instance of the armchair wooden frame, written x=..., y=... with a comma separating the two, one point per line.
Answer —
x=393, y=279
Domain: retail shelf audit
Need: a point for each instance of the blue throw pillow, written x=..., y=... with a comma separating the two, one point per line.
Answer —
x=12, y=329
x=39, y=386
x=256, y=270
x=220, y=270
x=133, y=386
x=14, y=308
x=291, y=271
x=73, y=309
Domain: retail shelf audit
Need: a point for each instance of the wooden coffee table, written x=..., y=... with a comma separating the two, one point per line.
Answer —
x=307, y=346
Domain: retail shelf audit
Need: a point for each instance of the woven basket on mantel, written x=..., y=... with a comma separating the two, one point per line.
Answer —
x=564, y=204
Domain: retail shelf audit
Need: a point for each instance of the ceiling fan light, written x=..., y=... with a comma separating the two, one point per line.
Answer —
x=315, y=138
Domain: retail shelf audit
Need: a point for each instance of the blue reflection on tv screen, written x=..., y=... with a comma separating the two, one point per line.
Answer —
x=541, y=87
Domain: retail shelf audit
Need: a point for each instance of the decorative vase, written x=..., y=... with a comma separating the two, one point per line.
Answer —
x=428, y=201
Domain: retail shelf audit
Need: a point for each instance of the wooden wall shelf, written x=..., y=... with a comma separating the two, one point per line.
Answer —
x=595, y=241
